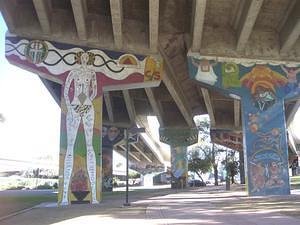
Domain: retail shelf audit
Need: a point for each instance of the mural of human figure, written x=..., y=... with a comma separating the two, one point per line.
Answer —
x=84, y=73
x=80, y=109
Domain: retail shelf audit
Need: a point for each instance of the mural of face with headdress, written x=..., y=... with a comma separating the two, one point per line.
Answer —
x=262, y=82
x=113, y=133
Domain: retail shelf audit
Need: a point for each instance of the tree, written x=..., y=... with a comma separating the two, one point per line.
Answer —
x=209, y=149
x=199, y=162
x=231, y=165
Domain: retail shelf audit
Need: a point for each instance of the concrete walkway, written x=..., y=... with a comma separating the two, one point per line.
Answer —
x=208, y=205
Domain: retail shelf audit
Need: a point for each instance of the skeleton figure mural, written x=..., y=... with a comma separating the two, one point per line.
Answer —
x=80, y=108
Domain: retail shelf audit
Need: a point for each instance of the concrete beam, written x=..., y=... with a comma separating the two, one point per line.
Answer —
x=154, y=106
x=292, y=114
x=117, y=20
x=237, y=13
x=290, y=32
x=175, y=90
x=153, y=24
x=141, y=152
x=109, y=106
x=208, y=104
x=130, y=153
x=198, y=22
x=129, y=106
x=248, y=17
x=43, y=11
x=79, y=12
x=7, y=9
x=237, y=109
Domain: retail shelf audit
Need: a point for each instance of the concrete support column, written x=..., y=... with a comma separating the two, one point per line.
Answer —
x=111, y=135
x=83, y=73
x=179, y=167
x=266, y=153
x=179, y=139
x=262, y=87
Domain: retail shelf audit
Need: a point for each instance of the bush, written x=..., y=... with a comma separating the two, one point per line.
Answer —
x=55, y=185
x=44, y=186
x=16, y=187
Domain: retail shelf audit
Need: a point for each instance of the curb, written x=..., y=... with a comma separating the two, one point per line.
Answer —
x=17, y=213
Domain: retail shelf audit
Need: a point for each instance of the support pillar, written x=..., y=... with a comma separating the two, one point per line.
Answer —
x=111, y=135
x=179, y=167
x=262, y=87
x=83, y=73
x=179, y=139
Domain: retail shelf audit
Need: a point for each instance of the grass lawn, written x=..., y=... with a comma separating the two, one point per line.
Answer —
x=11, y=204
x=295, y=182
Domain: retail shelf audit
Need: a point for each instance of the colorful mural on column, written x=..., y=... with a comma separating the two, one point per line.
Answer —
x=179, y=166
x=83, y=73
x=262, y=87
x=179, y=139
x=111, y=135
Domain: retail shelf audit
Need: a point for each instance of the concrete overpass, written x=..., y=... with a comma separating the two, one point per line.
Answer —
x=260, y=31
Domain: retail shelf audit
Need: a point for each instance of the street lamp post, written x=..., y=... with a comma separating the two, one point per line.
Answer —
x=131, y=131
x=127, y=166
x=227, y=173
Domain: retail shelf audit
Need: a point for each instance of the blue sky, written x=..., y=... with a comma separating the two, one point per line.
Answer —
x=32, y=118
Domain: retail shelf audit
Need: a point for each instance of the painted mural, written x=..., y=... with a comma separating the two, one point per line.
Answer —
x=262, y=87
x=83, y=73
x=179, y=139
x=111, y=135
x=179, y=166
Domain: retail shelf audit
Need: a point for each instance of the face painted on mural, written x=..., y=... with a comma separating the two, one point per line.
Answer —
x=262, y=82
x=263, y=98
x=113, y=133
x=36, y=51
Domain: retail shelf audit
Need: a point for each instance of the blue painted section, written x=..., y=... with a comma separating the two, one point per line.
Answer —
x=262, y=89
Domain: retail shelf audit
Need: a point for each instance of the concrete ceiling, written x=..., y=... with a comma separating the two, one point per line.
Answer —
x=251, y=29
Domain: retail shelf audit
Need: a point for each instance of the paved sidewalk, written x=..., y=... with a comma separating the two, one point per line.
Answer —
x=208, y=205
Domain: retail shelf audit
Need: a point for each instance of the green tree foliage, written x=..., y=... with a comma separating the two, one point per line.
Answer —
x=199, y=162
x=231, y=165
x=205, y=155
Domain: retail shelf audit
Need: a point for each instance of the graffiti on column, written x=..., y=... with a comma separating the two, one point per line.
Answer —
x=266, y=167
x=84, y=73
x=179, y=162
x=262, y=88
x=111, y=135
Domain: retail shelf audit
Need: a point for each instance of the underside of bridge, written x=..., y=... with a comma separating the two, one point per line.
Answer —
x=261, y=31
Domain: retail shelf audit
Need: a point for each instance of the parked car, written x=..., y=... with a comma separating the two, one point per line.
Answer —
x=196, y=183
